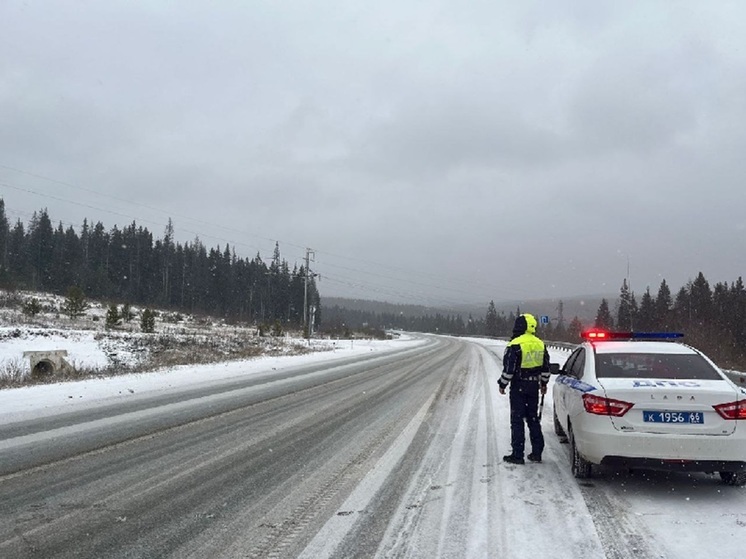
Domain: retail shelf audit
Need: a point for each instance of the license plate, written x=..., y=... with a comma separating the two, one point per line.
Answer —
x=696, y=417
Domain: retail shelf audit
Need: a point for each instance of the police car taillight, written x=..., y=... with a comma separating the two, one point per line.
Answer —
x=598, y=405
x=605, y=335
x=733, y=410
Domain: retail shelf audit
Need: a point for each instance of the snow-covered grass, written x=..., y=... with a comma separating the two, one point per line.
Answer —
x=24, y=402
x=93, y=350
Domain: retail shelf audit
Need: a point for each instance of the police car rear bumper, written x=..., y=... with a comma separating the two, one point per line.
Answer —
x=674, y=464
x=599, y=443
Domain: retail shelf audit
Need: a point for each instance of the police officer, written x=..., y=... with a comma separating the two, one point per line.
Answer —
x=526, y=369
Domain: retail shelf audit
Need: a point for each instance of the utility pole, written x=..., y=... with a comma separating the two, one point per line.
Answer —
x=306, y=322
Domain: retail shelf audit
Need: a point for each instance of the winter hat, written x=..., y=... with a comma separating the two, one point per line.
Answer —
x=520, y=326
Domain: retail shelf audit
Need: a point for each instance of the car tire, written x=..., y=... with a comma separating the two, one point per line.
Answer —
x=736, y=479
x=581, y=468
x=558, y=427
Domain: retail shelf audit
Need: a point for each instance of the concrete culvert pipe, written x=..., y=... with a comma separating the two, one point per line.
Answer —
x=43, y=368
x=44, y=364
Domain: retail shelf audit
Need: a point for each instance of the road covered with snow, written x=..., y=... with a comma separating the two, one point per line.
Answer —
x=377, y=449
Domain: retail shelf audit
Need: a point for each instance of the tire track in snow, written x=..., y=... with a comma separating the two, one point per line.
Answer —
x=489, y=535
x=540, y=506
x=621, y=534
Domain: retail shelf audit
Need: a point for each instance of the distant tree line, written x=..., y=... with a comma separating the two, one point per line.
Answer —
x=342, y=320
x=130, y=265
x=493, y=324
x=713, y=319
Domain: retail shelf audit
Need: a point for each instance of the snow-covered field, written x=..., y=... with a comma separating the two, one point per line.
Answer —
x=93, y=348
x=84, y=349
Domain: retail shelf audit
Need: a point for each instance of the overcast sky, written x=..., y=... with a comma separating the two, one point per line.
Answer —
x=428, y=151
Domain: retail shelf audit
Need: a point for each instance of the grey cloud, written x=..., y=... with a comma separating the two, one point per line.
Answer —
x=636, y=104
x=444, y=136
x=445, y=139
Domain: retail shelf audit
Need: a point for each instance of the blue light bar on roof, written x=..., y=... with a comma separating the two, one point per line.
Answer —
x=655, y=335
x=603, y=335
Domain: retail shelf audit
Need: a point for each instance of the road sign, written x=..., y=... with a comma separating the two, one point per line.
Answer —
x=544, y=319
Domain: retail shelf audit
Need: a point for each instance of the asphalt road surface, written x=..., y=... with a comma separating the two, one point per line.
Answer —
x=393, y=455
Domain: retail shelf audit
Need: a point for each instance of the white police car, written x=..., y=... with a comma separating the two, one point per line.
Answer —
x=645, y=401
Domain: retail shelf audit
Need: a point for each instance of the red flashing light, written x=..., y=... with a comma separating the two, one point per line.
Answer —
x=592, y=335
x=732, y=410
x=597, y=405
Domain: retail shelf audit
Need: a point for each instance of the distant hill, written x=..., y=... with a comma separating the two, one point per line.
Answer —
x=380, y=307
x=584, y=308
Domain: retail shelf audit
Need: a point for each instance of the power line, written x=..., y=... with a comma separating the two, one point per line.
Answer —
x=378, y=265
x=133, y=203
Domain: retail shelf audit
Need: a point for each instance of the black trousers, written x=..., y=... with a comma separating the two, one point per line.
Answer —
x=524, y=406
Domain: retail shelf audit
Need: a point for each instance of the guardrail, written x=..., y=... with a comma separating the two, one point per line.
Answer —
x=561, y=345
x=736, y=376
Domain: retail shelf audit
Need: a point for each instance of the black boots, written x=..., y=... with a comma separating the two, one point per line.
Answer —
x=512, y=459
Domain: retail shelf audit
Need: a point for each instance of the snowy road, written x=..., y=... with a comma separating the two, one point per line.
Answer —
x=392, y=455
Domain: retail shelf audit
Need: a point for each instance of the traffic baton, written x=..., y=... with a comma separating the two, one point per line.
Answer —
x=541, y=406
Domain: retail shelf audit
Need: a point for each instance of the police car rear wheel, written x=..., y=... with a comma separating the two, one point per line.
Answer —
x=581, y=468
x=737, y=479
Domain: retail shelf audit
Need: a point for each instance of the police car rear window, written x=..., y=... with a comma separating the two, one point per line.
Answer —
x=651, y=365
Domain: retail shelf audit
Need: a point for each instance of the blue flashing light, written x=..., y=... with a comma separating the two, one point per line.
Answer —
x=656, y=335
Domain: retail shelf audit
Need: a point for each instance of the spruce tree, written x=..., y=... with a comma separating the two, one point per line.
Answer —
x=738, y=315
x=491, y=321
x=700, y=300
x=682, y=308
x=646, y=314
x=126, y=312
x=18, y=256
x=75, y=303
x=41, y=250
x=31, y=307
x=603, y=316
x=560, y=316
x=113, y=319
x=663, y=319
x=574, y=329
x=722, y=303
x=147, y=321
x=627, y=308
x=4, y=241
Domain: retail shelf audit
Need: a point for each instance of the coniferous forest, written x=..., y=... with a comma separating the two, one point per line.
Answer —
x=130, y=265
x=712, y=318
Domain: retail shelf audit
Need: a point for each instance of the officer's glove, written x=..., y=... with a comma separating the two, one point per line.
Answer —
x=543, y=389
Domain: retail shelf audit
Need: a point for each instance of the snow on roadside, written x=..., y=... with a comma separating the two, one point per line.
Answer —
x=18, y=404
x=82, y=346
